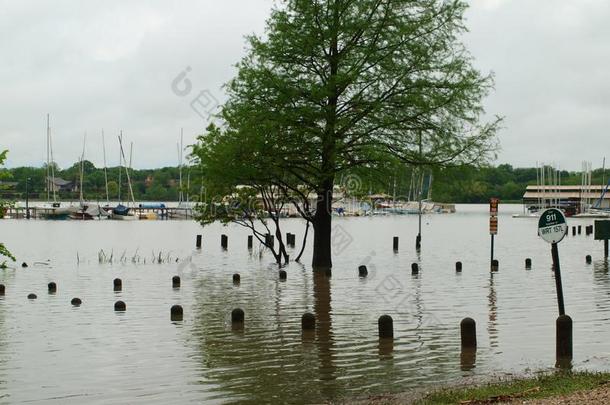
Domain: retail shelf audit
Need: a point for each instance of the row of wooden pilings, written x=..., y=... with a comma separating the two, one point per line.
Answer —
x=589, y=230
x=290, y=241
x=269, y=240
x=563, y=339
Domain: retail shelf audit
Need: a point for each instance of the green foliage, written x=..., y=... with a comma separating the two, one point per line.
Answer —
x=4, y=252
x=148, y=185
x=337, y=85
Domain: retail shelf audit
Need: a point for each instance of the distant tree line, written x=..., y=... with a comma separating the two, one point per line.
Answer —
x=162, y=184
x=460, y=184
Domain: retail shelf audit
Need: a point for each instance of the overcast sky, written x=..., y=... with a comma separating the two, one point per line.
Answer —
x=110, y=65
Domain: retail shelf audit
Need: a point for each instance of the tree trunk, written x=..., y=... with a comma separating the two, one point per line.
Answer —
x=322, y=221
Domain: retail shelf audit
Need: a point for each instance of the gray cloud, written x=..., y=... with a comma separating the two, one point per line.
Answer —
x=110, y=65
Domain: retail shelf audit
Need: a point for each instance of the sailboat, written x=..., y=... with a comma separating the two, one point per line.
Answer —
x=185, y=208
x=121, y=212
x=53, y=210
x=87, y=210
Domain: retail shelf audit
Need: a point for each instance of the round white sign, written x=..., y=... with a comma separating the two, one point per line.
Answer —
x=552, y=226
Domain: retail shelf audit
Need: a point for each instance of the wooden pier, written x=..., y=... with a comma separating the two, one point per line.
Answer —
x=142, y=213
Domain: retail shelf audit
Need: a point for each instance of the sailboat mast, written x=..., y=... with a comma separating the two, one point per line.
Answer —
x=48, y=161
x=133, y=200
x=181, y=196
x=105, y=168
x=120, y=166
x=82, y=168
x=52, y=165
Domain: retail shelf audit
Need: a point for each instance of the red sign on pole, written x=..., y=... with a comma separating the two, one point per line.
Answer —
x=493, y=225
x=493, y=206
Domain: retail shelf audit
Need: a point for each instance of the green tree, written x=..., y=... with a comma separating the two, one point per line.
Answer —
x=4, y=252
x=341, y=84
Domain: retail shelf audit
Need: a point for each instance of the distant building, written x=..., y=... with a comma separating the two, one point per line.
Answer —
x=572, y=198
x=58, y=184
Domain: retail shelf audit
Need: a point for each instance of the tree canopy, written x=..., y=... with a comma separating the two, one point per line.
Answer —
x=336, y=85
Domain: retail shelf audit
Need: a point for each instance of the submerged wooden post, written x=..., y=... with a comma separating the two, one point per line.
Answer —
x=528, y=263
x=2, y=289
x=386, y=326
x=308, y=321
x=468, y=333
x=32, y=296
x=458, y=267
x=76, y=301
x=588, y=259
x=120, y=306
x=117, y=284
x=250, y=240
x=395, y=244
x=563, y=339
x=362, y=271
x=176, y=313
x=237, y=316
x=198, y=242
x=224, y=241
x=52, y=287
x=283, y=275
x=236, y=278
x=176, y=282
x=495, y=265
x=579, y=229
x=414, y=268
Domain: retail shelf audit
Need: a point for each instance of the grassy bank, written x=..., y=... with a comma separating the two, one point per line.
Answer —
x=544, y=386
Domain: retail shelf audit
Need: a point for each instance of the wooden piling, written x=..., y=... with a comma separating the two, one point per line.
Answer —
x=362, y=271
x=308, y=321
x=198, y=242
x=236, y=278
x=528, y=263
x=495, y=265
x=563, y=342
x=52, y=287
x=176, y=282
x=588, y=259
x=120, y=306
x=237, y=316
x=414, y=268
x=176, y=313
x=224, y=241
x=76, y=301
x=250, y=241
x=468, y=333
x=117, y=284
x=395, y=243
x=458, y=267
x=386, y=327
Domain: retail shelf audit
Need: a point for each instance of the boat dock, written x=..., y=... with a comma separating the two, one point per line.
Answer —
x=146, y=213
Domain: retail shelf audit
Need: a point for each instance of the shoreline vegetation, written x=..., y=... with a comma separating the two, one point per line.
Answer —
x=547, y=388
x=458, y=185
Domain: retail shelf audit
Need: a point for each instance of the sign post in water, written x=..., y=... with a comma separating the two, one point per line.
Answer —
x=552, y=227
x=493, y=226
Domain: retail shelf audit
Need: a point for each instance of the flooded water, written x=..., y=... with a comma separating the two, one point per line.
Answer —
x=51, y=351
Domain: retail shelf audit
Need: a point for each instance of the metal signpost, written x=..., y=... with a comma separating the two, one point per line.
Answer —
x=493, y=223
x=552, y=227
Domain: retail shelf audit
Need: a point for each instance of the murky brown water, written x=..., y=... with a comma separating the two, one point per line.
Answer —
x=53, y=352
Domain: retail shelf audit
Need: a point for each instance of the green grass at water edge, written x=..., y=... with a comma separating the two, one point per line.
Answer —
x=550, y=385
